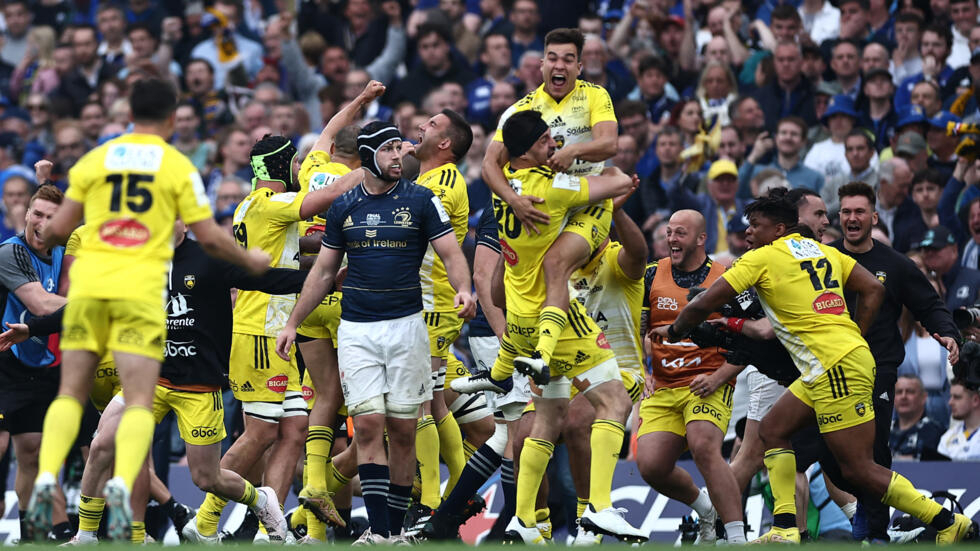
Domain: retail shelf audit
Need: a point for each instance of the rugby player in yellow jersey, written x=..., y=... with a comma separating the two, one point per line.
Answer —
x=583, y=357
x=333, y=155
x=130, y=190
x=268, y=386
x=583, y=122
x=801, y=284
x=444, y=139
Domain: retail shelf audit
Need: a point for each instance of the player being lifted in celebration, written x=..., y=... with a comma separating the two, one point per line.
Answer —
x=269, y=388
x=583, y=357
x=801, y=284
x=130, y=191
x=384, y=225
x=583, y=124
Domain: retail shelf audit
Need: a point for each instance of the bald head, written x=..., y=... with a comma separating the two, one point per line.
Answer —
x=690, y=219
x=685, y=237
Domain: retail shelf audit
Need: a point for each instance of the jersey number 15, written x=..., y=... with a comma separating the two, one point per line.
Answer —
x=136, y=193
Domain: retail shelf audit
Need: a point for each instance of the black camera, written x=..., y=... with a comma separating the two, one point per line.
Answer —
x=967, y=316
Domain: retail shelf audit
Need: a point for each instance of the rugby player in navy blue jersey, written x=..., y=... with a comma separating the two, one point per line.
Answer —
x=384, y=225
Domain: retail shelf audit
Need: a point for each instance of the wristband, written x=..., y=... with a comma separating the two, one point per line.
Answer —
x=735, y=324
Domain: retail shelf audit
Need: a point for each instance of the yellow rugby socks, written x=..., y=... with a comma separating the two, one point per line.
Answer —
x=781, y=464
x=335, y=479
x=468, y=449
x=534, y=461
x=133, y=439
x=551, y=322
x=90, y=513
x=606, y=441
x=137, y=532
x=451, y=449
x=427, y=453
x=210, y=512
x=319, y=441
x=61, y=425
x=904, y=497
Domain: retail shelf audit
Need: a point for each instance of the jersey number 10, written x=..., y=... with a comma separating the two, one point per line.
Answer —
x=138, y=197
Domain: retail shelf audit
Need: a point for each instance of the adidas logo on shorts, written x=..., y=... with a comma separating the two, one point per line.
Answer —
x=247, y=387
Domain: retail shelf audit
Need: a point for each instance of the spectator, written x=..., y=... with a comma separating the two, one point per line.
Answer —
x=731, y=146
x=927, y=187
x=360, y=29
x=503, y=95
x=17, y=17
x=828, y=157
x=845, y=62
x=855, y=23
x=187, y=138
x=935, y=46
x=335, y=63
x=254, y=115
x=69, y=146
x=717, y=207
x=88, y=70
x=717, y=50
x=494, y=19
x=114, y=48
x=40, y=140
x=651, y=88
x=824, y=92
x=231, y=159
x=790, y=93
x=632, y=117
x=879, y=115
x=525, y=18
x=717, y=88
x=234, y=58
x=17, y=191
x=896, y=210
x=914, y=434
x=788, y=161
x=649, y=204
x=959, y=442
x=747, y=117
x=595, y=69
x=927, y=95
x=874, y=56
x=906, y=60
x=821, y=20
x=911, y=120
x=36, y=71
x=687, y=116
x=355, y=81
x=231, y=191
x=963, y=14
x=913, y=149
x=940, y=255
x=435, y=66
x=943, y=147
x=970, y=257
x=452, y=12
x=495, y=57
x=859, y=151
x=814, y=65
x=93, y=118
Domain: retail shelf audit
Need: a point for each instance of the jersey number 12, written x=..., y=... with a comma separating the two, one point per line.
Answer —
x=828, y=275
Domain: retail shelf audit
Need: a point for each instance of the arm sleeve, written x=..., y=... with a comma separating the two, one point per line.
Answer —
x=78, y=184
x=43, y=326
x=847, y=263
x=333, y=235
x=486, y=231
x=435, y=220
x=600, y=106
x=313, y=165
x=927, y=307
x=16, y=268
x=277, y=281
x=573, y=190
x=192, y=201
x=383, y=68
x=747, y=271
x=283, y=208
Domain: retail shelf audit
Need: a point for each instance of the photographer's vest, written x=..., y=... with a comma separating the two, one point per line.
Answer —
x=677, y=364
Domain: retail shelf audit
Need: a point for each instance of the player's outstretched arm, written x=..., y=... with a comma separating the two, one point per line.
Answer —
x=485, y=262
x=65, y=220
x=458, y=271
x=347, y=115
x=219, y=244
x=523, y=205
x=633, y=256
x=699, y=309
x=611, y=182
x=320, y=200
x=870, y=293
x=600, y=148
x=318, y=283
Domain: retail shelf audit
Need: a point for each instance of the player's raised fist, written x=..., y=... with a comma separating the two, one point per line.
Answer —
x=372, y=91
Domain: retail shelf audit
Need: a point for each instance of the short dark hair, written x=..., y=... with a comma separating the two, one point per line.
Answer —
x=863, y=4
x=486, y=38
x=858, y=189
x=797, y=196
x=910, y=17
x=671, y=130
x=152, y=99
x=85, y=26
x=138, y=26
x=566, y=36
x=793, y=119
x=107, y=6
x=776, y=207
x=931, y=175
x=459, y=132
x=846, y=41
x=943, y=31
x=962, y=2
x=737, y=103
x=425, y=29
x=784, y=12
x=651, y=61
x=47, y=192
x=868, y=139
x=630, y=108
x=194, y=60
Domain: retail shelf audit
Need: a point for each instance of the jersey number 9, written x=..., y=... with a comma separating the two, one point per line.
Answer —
x=138, y=196
x=241, y=235
x=506, y=219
